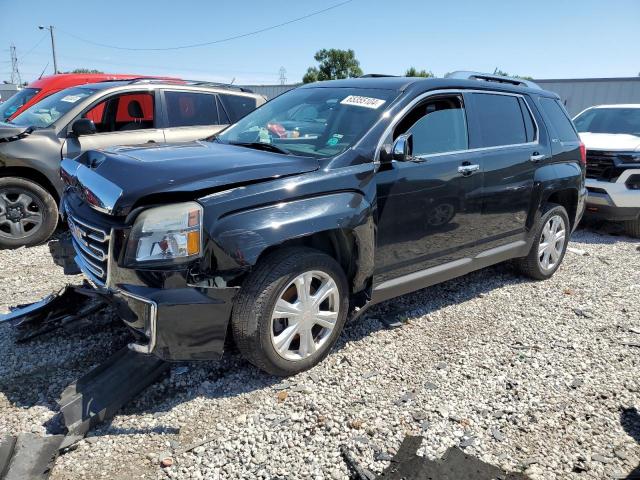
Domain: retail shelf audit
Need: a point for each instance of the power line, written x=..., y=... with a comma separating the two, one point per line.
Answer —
x=34, y=47
x=203, y=44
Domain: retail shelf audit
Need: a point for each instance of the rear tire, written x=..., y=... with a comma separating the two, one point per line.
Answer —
x=632, y=227
x=28, y=213
x=310, y=291
x=551, y=237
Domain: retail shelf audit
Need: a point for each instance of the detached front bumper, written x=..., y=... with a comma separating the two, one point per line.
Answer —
x=171, y=319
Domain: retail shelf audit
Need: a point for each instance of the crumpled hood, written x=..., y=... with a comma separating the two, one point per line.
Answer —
x=9, y=133
x=114, y=180
x=611, y=142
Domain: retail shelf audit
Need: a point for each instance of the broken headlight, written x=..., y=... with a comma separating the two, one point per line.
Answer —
x=168, y=234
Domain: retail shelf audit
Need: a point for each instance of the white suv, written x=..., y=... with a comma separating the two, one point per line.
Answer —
x=611, y=134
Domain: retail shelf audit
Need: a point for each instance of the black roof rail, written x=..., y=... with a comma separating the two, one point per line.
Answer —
x=194, y=83
x=489, y=77
x=376, y=75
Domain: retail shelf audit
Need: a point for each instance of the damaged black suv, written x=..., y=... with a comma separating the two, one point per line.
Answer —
x=326, y=200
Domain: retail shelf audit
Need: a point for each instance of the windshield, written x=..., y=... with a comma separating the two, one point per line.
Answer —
x=16, y=101
x=609, y=120
x=319, y=122
x=45, y=113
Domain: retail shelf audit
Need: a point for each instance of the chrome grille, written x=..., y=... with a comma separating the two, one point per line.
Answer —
x=92, y=246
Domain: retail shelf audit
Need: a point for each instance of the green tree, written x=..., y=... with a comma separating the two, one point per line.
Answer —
x=497, y=71
x=413, y=72
x=333, y=64
x=85, y=70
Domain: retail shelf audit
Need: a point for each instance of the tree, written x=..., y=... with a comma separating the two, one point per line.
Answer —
x=333, y=64
x=497, y=71
x=85, y=70
x=413, y=72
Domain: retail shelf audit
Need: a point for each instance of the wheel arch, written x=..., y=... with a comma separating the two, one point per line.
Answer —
x=33, y=175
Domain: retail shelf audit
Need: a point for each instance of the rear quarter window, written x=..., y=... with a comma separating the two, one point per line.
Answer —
x=237, y=106
x=560, y=122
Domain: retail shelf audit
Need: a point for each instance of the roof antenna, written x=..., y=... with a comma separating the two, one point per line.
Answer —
x=43, y=70
x=233, y=80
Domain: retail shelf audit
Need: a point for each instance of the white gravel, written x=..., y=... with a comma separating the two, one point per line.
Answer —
x=529, y=376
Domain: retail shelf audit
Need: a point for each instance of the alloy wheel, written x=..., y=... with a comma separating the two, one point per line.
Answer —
x=21, y=213
x=304, y=315
x=552, y=242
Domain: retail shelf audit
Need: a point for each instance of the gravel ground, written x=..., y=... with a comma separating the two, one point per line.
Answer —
x=540, y=377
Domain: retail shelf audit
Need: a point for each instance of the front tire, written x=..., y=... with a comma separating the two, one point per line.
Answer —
x=551, y=238
x=632, y=228
x=290, y=310
x=28, y=213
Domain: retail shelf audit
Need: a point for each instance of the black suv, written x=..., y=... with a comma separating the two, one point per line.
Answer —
x=322, y=202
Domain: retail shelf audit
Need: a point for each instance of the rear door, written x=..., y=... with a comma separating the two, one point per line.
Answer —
x=128, y=118
x=505, y=133
x=192, y=115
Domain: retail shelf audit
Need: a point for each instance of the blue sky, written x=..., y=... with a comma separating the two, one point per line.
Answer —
x=542, y=38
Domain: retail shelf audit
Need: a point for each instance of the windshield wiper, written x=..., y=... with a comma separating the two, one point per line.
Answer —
x=262, y=146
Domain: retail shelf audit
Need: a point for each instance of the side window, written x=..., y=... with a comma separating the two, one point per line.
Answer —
x=529, y=126
x=500, y=119
x=129, y=111
x=437, y=126
x=559, y=120
x=237, y=106
x=185, y=109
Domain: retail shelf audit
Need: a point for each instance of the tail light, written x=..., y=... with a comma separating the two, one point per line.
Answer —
x=583, y=154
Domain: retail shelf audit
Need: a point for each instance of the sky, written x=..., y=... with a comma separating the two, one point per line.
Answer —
x=541, y=39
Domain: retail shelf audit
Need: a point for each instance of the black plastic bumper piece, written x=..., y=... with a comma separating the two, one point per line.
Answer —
x=63, y=254
x=179, y=323
x=612, y=213
x=28, y=456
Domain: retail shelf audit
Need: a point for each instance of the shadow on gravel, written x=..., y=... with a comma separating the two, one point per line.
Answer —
x=630, y=421
x=607, y=233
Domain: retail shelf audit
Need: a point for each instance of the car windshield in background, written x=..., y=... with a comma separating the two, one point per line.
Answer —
x=319, y=122
x=43, y=114
x=15, y=102
x=609, y=120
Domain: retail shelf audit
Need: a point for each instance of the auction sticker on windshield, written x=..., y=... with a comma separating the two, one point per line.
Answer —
x=71, y=98
x=367, y=102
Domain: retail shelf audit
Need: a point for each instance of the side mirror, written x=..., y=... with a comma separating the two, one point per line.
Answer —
x=402, y=148
x=83, y=126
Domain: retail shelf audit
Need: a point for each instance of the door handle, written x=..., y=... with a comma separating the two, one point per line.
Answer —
x=468, y=169
x=537, y=157
x=151, y=141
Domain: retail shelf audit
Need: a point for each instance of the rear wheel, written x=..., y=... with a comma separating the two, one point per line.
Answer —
x=28, y=213
x=551, y=238
x=632, y=228
x=290, y=310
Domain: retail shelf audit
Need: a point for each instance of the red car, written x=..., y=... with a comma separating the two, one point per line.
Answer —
x=45, y=86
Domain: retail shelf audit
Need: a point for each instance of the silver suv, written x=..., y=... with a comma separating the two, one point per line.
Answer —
x=98, y=116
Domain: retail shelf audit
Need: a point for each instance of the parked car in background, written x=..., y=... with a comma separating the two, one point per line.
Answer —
x=328, y=199
x=45, y=86
x=611, y=134
x=95, y=116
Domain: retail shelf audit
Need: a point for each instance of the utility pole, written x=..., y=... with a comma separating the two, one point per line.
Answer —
x=15, y=73
x=53, y=46
x=283, y=76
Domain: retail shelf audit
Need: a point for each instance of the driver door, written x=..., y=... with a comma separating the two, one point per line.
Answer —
x=122, y=119
x=429, y=206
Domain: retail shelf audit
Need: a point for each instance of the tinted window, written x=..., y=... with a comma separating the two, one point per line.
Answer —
x=500, y=120
x=190, y=108
x=559, y=120
x=529, y=126
x=437, y=126
x=609, y=120
x=237, y=106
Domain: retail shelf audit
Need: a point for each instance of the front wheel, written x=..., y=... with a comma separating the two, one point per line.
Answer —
x=550, y=244
x=28, y=213
x=290, y=310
